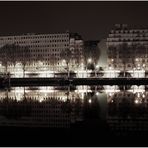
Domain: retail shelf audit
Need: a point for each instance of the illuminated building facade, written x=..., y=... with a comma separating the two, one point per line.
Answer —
x=127, y=50
x=45, y=51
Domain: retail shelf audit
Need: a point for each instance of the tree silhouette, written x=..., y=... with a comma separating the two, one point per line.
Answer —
x=66, y=55
x=26, y=55
x=91, y=51
x=11, y=53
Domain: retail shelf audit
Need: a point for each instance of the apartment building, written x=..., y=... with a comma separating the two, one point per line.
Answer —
x=44, y=50
x=127, y=48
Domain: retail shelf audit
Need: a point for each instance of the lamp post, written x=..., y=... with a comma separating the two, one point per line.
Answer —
x=133, y=71
x=89, y=61
x=144, y=69
x=110, y=70
x=96, y=68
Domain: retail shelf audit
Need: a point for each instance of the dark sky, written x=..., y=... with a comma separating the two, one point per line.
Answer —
x=92, y=20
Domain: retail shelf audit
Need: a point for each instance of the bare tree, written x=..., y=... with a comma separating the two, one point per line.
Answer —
x=66, y=55
x=24, y=57
x=123, y=49
x=13, y=54
x=4, y=57
x=91, y=51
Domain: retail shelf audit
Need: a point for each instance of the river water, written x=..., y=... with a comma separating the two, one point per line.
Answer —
x=107, y=110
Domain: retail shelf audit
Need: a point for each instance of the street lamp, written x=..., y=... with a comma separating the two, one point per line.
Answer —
x=110, y=68
x=97, y=66
x=89, y=60
x=136, y=59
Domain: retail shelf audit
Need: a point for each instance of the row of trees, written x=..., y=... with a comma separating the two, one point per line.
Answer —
x=88, y=53
x=127, y=53
x=13, y=54
x=91, y=51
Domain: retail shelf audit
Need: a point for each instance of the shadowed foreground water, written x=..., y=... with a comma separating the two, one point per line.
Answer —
x=74, y=116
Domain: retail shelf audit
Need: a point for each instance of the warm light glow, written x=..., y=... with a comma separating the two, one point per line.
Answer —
x=137, y=73
x=138, y=94
x=136, y=59
x=89, y=60
x=112, y=60
x=89, y=101
x=83, y=89
x=143, y=95
x=136, y=101
x=83, y=73
x=97, y=66
x=110, y=94
x=111, y=73
x=97, y=93
x=137, y=89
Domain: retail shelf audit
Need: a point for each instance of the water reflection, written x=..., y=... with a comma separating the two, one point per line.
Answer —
x=128, y=110
x=122, y=108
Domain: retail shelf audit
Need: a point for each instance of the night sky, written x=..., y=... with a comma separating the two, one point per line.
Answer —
x=92, y=20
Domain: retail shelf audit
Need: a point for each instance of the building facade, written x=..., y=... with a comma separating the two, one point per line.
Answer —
x=127, y=50
x=44, y=51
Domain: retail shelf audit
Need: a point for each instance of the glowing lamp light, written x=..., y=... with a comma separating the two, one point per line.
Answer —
x=97, y=93
x=89, y=101
x=97, y=66
x=138, y=65
x=89, y=60
x=110, y=67
x=110, y=94
x=112, y=60
x=63, y=61
x=136, y=59
x=136, y=101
